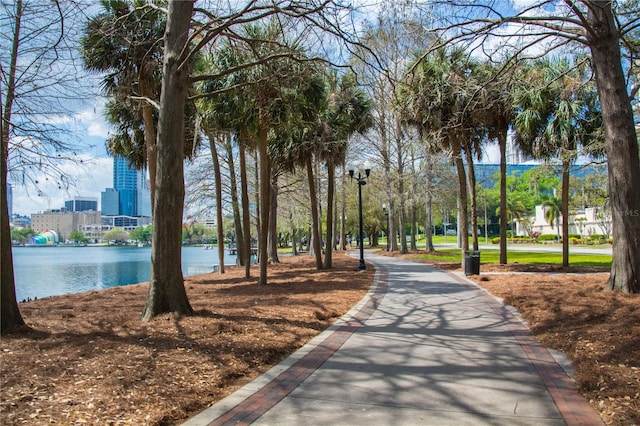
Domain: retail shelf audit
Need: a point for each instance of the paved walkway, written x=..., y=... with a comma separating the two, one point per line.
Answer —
x=424, y=347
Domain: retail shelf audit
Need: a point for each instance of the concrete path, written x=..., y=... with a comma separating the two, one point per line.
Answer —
x=424, y=347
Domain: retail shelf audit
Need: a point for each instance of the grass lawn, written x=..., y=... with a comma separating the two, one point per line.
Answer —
x=492, y=256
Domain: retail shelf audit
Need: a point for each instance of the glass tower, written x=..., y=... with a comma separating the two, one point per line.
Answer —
x=130, y=185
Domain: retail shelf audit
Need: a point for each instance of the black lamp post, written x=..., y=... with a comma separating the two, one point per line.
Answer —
x=362, y=180
x=386, y=217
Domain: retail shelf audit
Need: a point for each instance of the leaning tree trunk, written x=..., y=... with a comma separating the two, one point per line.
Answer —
x=166, y=284
x=246, y=219
x=10, y=316
x=218, y=182
x=621, y=147
x=331, y=188
x=313, y=196
x=502, y=143
x=565, y=212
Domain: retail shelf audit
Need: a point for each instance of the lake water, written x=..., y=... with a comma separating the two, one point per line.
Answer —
x=50, y=271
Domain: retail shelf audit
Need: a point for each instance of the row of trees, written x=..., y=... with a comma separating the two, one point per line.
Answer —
x=243, y=82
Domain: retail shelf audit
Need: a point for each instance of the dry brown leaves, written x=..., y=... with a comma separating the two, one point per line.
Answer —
x=88, y=358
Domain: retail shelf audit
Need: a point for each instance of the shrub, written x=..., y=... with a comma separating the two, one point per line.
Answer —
x=548, y=237
x=495, y=240
x=574, y=241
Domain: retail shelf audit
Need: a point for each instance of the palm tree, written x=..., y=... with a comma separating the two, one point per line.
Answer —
x=558, y=112
x=124, y=41
x=348, y=111
x=496, y=117
x=439, y=97
x=553, y=213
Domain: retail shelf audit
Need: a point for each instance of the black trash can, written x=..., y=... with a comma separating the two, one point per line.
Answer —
x=472, y=262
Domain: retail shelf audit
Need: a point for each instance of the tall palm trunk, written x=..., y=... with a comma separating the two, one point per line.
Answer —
x=565, y=212
x=463, y=224
x=429, y=204
x=150, y=135
x=237, y=219
x=246, y=219
x=265, y=190
x=331, y=171
x=273, y=222
x=471, y=175
x=315, y=237
x=218, y=182
x=502, y=143
x=343, y=211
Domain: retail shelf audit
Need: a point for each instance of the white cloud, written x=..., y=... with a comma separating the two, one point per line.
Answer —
x=91, y=178
x=92, y=119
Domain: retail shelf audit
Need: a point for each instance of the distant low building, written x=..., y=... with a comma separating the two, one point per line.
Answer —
x=587, y=222
x=63, y=222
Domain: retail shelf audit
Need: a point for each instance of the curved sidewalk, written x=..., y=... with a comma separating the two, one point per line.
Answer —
x=423, y=347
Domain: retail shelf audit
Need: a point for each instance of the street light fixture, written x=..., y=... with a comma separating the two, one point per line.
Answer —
x=386, y=217
x=362, y=180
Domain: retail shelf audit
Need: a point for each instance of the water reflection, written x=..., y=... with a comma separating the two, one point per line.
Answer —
x=48, y=271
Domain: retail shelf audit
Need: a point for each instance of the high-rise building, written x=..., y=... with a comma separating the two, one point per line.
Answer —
x=81, y=204
x=10, y=198
x=130, y=193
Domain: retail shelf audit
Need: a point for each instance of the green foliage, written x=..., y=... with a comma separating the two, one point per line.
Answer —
x=78, y=236
x=21, y=235
x=141, y=234
x=548, y=237
x=116, y=234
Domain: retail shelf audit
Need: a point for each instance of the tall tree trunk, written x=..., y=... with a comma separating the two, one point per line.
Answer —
x=265, y=189
x=273, y=222
x=237, y=219
x=166, y=284
x=502, y=143
x=315, y=237
x=10, y=316
x=246, y=219
x=463, y=223
x=218, y=182
x=565, y=212
x=471, y=175
x=328, y=256
x=621, y=147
